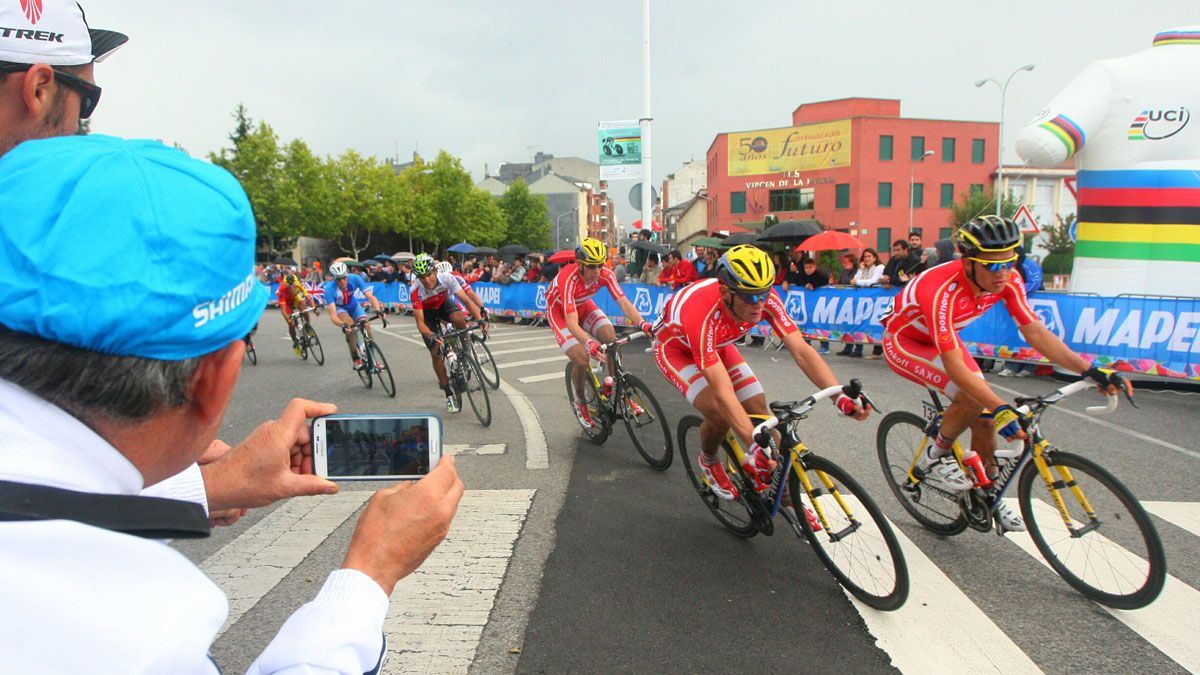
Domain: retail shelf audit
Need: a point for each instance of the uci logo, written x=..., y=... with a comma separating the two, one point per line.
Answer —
x=540, y=301
x=642, y=301
x=795, y=307
x=1047, y=311
x=1156, y=125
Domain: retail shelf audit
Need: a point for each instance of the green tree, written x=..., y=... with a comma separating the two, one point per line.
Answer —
x=972, y=204
x=312, y=182
x=1060, y=256
x=525, y=216
x=457, y=205
x=361, y=188
x=258, y=163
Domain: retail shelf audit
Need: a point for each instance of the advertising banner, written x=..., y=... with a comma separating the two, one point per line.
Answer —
x=805, y=148
x=620, y=149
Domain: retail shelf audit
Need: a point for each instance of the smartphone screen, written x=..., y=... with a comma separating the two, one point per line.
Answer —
x=375, y=446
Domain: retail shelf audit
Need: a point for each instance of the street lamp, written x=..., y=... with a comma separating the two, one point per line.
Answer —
x=557, y=221
x=1003, y=94
x=911, y=177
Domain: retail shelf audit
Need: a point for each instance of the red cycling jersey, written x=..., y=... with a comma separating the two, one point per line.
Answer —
x=433, y=298
x=696, y=318
x=568, y=290
x=938, y=302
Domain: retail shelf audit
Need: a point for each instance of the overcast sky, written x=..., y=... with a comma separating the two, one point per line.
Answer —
x=486, y=80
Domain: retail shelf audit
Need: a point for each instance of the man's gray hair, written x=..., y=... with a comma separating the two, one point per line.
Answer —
x=94, y=387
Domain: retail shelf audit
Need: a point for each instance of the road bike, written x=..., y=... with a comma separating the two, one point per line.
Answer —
x=251, y=354
x=487, y=362
x=466, y=377
x=626, y=398
x=1086, y=524
x=306, y=336
x=863, y=554
x=374, y=363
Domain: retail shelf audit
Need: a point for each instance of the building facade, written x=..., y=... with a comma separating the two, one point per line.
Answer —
x=853, y=164
x=577, y=202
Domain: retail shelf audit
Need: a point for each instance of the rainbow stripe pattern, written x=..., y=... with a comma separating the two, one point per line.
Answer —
x=1177, y=37
x=1139, y=123
x=1067, y=131
x=1140, y=214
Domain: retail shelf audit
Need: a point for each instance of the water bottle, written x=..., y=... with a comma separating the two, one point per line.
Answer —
x=607, y=387
x=974, y=462
x=451, y=359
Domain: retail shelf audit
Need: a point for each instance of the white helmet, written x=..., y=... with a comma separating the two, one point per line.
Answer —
x=339, y=270
x=444, y=267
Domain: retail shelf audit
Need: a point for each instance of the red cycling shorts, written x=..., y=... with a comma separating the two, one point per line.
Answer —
x=591, y=319
x=920, y=362
x=676, y=363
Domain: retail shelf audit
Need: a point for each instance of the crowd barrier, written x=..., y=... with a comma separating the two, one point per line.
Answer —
x=1138, y=334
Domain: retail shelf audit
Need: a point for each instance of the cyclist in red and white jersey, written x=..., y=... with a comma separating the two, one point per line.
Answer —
x=575, y=318
x=430, y=293
x=921, y=343
x=695, y=351
x=444, y=267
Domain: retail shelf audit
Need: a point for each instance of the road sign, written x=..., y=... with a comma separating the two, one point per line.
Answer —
x=1024, y=219
x=635, y=196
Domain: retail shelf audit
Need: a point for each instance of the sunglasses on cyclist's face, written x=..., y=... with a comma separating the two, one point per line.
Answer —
x=753, y=298
x=996, y=265
x=591, y=266
x=89, y=94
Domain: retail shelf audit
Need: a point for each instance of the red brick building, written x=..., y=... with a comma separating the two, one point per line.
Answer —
x=849, y=164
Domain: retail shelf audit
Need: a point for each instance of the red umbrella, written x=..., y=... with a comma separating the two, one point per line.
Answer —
x=654, y=225
x=564, y=256
x=830, y=240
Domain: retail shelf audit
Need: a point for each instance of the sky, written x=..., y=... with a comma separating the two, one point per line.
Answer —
x=494, y=82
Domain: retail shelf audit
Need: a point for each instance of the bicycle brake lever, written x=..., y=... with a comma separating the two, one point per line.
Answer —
x=1129, y=397
x=868, y=402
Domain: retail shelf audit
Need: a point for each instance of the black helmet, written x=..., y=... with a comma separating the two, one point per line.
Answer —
x=988, y=233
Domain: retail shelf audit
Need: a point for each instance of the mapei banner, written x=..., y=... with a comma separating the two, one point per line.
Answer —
x=1133, y=334
x=804, y=148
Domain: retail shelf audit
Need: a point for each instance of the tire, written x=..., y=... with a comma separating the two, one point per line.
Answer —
x=734, y=515
x=602, y=426
x=487, y=365
x=900, y=434
x=476, y=387
x=364, y=373
x=1121, y=562
x=380, y=367
x=251, y=354
x=867, y=561
x=650, y=433
x=314, y=345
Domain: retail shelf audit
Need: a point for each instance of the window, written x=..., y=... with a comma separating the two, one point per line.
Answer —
x=944, y=233
x=737, y=202
x=885, y=194
x=885, y=148
x=842, y=196
x=792, y=200
x=976, y=188
x=947, y=149
x=918, y=195
x=947, y=195
x=918, y=148
x=978, y=149
x=883, y=240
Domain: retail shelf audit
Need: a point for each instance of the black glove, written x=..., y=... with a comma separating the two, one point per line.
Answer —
x=1103, y=378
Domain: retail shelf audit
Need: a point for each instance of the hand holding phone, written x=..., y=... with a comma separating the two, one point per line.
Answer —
x=376, y=447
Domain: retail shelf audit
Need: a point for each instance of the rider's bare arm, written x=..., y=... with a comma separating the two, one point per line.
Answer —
x=809, y=360
x=374, y=302
x=630, y=312
x=1047, y=344
x=419, y=315
x=470, y=304
x=332, y=310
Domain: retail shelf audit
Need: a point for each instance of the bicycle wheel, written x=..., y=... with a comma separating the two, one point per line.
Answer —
x=313, y=345
x=379, y=365
x=251, y=354
x=900, y=434
x=360, y=348
x=646, y=423
x=734, y=515
x=862, y=552
x=1114, y=556
x=487, y=364
x=601, y=425
x=476, y=387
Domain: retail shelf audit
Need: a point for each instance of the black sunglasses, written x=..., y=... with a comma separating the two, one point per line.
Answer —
x=89, y=94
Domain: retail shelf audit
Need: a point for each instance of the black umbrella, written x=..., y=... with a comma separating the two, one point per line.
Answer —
x=790, y=231
x=485, y=250
x=371, y=262
x=740, y=238
x=650, y=246
x=513, y=249
x=283, y=260
x=383, y=258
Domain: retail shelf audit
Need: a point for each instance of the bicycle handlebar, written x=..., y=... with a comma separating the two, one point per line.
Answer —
x=794, y=409
x=621, y=342
x=462, y=331
x=1063, y=392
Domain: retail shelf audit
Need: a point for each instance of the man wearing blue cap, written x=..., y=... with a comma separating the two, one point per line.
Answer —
x=95, y=406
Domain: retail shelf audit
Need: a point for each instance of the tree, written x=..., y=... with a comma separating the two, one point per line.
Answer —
x=1060, y=256
x=359, y=186
x=525, y=216
x=258, y=164
x=977, y=203
x=311, y=181
x=456, y=205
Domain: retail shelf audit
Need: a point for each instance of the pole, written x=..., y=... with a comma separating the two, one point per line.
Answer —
x=647, y=205
x=911, y=178
x=1000, y=164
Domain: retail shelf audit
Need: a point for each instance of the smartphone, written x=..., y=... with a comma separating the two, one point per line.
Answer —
x=376, y=447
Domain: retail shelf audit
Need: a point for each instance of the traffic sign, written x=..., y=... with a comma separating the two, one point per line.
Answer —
x=635, y=196
x=1024, y=219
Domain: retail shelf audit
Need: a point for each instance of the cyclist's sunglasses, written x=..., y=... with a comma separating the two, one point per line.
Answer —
x=996, y=265
x=753, y=298
x=89, y=94
x=591, y=266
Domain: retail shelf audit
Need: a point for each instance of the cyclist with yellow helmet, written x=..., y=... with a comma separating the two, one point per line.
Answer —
x=574, y=318
x=921, y=343
x=694, y=348
x=293, y=296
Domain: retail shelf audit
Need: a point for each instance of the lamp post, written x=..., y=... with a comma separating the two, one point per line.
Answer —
x=557, y=221
x=911, y=178
x=1003, y=94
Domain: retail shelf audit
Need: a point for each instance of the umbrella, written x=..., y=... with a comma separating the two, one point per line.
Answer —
x=283, y=260
x=650, y=246
x=383, y=258
x=831, y=240
x=352, y=263
x=403, y=255
x=563, y=256
x=709, y=242
x=514, y=249
x=485, y=250
x=461, y=247
x=370, y=262
x=654, y=225
x=740, y=238
x=790, y=231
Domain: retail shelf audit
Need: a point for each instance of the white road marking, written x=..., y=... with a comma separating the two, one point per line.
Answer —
x=978, y=644
x=248, y=567
x=437, y=614
x=1169, y=623
x=464, y=449
x=537, y=455
x=524, y=349
x=524, y=339
x=541, y=378
x=1185, y=515
x=1094, y=419
x=531, y=362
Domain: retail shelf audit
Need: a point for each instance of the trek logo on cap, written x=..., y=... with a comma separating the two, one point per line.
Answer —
x=32, y=9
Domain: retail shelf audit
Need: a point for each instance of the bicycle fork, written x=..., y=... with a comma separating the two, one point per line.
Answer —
x=1054, y=487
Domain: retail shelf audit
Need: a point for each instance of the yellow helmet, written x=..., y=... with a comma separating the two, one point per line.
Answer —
x=746, y=269
x=591, y=252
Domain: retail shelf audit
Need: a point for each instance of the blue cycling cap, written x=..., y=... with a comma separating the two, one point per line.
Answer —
x=125, y=247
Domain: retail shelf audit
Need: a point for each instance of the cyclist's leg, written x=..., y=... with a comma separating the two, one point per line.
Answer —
x=286, y=310
x=595, y=322
x=347, y=318
x=435, y=354
x=570, y=347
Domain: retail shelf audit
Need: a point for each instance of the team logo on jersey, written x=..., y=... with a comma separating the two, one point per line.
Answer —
x=1047, y=311
x=796, y=307
x=540, y=300
x=642, y=301
x=32, y=9
x=1156, y=125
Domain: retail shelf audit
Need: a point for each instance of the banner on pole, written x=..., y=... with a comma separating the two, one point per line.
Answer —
x=620, y=149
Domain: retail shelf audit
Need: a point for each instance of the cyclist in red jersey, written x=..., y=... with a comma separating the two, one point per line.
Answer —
x=575, y=318
x=921, y=343
x=695, y=351
x=445, y=267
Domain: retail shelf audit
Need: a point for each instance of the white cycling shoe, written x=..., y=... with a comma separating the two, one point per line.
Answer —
x=1008, y=518
x=944, y=472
